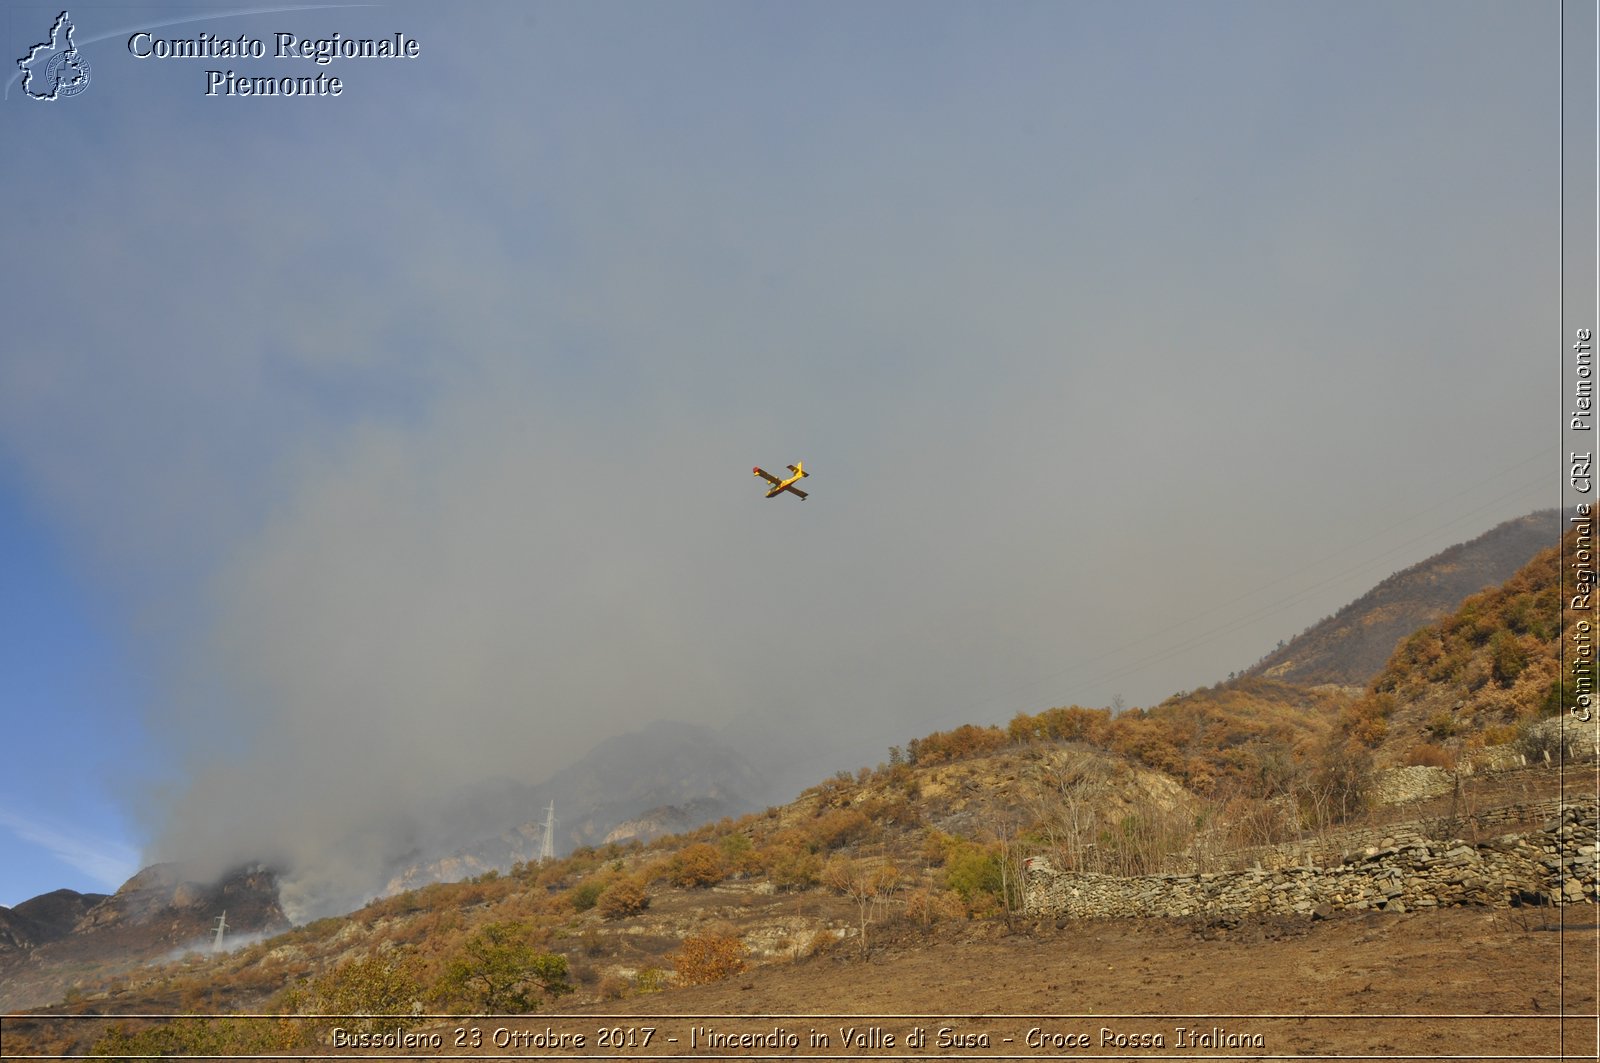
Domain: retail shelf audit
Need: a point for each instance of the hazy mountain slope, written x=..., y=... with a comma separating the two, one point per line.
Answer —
x=1352, y=646
x=663, y=778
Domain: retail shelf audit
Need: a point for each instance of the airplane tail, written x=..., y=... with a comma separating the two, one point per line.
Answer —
x=798, y=468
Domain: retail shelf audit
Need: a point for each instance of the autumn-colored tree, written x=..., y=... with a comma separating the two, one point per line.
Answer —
x=965, y=741
x=837, y=828
x=624, y=897
x=1366, y=720
x=1076, y=724
x=695, y=866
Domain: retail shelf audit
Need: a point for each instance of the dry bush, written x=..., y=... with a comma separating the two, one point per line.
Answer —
x=707, y=958
x=1071, y=724
x=388, y=985
x=696, y=866
x=442, y=922
x=1136, y=845
x=613, y=987
x=822, y=941
x=1499, y=734
x=837, y=828
x=834, y=792
x=1252, y=822
x=897, y=810
x=965, y=741
x=591, y=941
x=624, y=897
x=928, y=906
x=531, y=905
x=1367, y=719
x=1542, y=743
x=1430, y=755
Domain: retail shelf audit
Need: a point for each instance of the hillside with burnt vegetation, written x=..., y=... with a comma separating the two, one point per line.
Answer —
x=929, y=843
x=1483, y=676
x=1352, y=646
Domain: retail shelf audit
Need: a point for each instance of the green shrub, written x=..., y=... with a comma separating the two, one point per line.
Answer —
x=792, y=869
x=586, y=894
x=974, y=874
x=498, y=970
x=1508, y=656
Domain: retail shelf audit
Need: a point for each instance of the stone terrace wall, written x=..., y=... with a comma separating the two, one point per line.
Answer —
x=1341, y=846
x=1555, y=864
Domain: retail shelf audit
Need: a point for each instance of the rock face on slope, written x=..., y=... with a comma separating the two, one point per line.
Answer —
x=1352, y=646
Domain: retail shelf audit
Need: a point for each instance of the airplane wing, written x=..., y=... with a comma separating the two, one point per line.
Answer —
x=767, y=476
x=796, y=490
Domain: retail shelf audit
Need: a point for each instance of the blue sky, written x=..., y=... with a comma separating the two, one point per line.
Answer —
x=355, y=449
x=69, y=700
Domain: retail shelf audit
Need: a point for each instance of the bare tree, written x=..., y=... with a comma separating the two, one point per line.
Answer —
x=868, y=883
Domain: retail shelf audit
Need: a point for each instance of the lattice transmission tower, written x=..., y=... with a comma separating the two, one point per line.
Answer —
x=547, y=848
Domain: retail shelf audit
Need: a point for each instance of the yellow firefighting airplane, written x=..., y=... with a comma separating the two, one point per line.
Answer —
x=780, y=486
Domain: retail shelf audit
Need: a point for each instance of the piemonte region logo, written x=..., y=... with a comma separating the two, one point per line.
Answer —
x=56, y=64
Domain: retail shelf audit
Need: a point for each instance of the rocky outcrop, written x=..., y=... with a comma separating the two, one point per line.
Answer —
x=162, y=901
x=1555, y=864
x=44, y=918
x=664, y=820
x=157, y=911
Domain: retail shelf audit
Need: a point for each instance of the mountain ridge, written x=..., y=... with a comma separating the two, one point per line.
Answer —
x=1353, y=645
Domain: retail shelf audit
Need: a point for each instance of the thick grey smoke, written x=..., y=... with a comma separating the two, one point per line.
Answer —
x=431, y=464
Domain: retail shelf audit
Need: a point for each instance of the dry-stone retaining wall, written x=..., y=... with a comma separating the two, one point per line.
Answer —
x=1554, y=864
x=1399, y=785
x=1338, y=847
